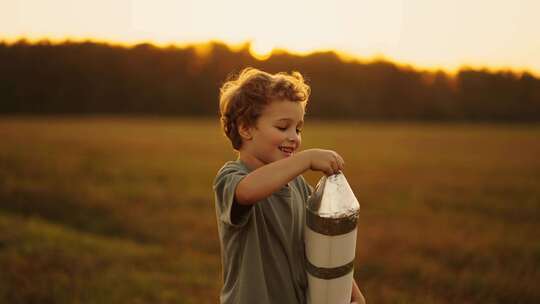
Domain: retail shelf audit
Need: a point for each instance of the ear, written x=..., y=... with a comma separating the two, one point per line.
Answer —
x=244, y=131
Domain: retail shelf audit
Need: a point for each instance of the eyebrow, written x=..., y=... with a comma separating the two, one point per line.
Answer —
x=289, y=119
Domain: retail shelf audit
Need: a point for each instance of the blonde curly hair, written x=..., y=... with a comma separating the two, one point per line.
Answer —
x=243, y=98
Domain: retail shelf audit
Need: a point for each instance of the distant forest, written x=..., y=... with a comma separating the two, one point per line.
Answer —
x=92, y=78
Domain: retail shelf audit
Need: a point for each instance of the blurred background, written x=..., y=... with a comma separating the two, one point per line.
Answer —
x=111, y=141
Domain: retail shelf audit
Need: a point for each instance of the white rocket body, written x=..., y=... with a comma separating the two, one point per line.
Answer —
x=330, y=241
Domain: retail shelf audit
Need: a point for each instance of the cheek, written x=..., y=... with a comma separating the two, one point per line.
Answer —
x=277, y=137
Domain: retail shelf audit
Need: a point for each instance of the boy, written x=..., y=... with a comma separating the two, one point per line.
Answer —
x=260, y=197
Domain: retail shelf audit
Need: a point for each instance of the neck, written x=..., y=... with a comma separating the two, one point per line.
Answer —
x=250, y=161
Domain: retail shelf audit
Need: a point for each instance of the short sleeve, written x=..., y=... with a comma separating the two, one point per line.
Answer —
x=225, y=183
x=305, y=187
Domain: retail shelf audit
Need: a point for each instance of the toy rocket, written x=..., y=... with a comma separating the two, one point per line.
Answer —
x=330, y=241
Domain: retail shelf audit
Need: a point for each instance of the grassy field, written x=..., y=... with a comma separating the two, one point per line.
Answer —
x=120, y=210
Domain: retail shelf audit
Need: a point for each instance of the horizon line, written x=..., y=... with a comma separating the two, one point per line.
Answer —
x=344, y=56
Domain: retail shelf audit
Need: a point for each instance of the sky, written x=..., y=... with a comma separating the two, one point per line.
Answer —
x=426, y=34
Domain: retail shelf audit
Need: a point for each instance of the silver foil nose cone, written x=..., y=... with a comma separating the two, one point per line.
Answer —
x=332, y=208
x=333, y=197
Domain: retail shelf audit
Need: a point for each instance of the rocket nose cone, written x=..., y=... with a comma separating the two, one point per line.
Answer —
x=333, y=197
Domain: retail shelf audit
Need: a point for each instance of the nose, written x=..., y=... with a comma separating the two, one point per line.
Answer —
x=294, y=137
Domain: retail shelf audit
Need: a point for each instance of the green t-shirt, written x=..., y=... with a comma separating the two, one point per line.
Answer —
x=262, y=246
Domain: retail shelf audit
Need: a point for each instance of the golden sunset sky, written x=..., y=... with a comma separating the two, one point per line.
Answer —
x=423, y=33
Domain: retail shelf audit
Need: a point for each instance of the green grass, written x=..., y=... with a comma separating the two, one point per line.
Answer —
x=114, y=210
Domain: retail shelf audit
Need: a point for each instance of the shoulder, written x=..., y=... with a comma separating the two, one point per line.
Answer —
x=230, y=167
x=233, y=166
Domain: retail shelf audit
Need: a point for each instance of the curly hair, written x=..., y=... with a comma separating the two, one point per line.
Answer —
x=243, y=98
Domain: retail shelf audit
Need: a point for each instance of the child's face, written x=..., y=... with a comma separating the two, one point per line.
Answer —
x=277, y=133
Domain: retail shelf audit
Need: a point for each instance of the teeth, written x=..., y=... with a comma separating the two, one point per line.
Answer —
x=288, y=150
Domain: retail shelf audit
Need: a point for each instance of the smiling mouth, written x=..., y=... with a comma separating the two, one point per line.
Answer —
x=287, y=150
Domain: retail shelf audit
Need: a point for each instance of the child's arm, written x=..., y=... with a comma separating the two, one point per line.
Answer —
x=269, y=178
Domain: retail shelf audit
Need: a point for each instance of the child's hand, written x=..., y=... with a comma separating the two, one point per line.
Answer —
x=326, y=161
x=356, y=296
x=358, y=300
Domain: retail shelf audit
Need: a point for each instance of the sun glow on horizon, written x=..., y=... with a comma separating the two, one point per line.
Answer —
x=261, y=50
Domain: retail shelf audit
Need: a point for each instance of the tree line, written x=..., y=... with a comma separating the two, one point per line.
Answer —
x=91, y=77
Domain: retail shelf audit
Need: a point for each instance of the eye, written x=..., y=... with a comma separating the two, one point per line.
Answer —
x=282, y=128
x=298, y=131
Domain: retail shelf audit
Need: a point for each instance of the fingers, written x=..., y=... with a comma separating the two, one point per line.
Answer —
x=329, y=172
x=336, y=165
x=339, y=163
x=327, y=161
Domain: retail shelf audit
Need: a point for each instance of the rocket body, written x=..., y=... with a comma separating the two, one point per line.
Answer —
x=330, y=241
